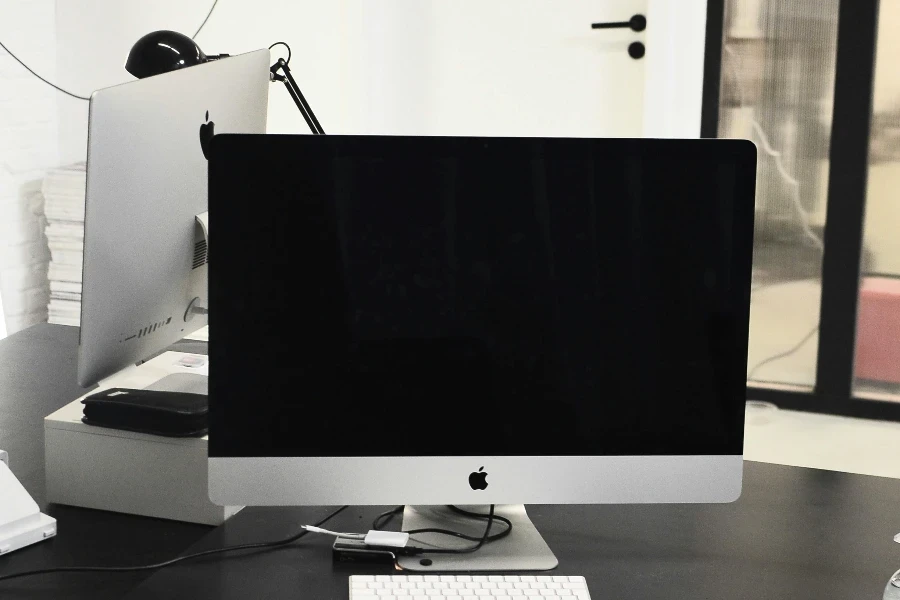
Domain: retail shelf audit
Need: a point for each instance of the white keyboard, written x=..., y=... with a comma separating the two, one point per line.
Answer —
x=467, y=587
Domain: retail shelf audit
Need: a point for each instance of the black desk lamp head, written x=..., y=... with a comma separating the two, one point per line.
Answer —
x=164, y=51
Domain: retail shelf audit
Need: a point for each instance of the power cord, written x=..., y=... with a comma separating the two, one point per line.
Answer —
x=208, y=15
x=76, y=96
x=253, y=546
x=287, y=61
x=53, y=85
x=752, y=372
x=385, y=517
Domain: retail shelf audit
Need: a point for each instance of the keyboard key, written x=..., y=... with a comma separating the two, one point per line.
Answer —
x=495, y=578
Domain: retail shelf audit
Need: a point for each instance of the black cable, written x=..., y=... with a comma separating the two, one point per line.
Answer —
x=481, y=542
x=287, y=61
x=76, y=96
x=253, y=546
x=784, y=354
x=385, y=517
x=208, y=15
x=53, y=85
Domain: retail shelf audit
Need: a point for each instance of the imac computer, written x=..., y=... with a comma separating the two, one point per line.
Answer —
x=432, y=321
x=145, y=252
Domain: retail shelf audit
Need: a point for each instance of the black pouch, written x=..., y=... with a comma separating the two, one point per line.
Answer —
x=172, y=414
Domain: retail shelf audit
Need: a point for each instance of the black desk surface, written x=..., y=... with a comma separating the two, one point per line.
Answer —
x=795, y=533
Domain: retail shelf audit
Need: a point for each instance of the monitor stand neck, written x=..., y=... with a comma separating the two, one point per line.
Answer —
x=522, y=550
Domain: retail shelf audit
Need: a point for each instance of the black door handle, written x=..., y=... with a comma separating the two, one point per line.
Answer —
x=636, y=23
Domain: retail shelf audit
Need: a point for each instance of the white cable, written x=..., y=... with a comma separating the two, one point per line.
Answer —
x=775, y=154
x=391, y=539
x=314, y=529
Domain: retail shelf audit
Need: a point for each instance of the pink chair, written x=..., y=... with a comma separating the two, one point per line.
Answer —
x=878, y=332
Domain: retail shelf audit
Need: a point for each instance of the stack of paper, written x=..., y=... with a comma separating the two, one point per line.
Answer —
x=63, y=191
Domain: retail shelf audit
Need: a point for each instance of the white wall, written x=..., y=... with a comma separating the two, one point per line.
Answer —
x=673, y=95
x=361, y=63
x=28, y=146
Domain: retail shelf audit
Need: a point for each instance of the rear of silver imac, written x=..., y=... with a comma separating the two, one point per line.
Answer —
x=145, y=255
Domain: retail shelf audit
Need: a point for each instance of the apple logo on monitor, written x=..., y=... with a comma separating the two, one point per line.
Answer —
x=207, y=131
x=478, y=479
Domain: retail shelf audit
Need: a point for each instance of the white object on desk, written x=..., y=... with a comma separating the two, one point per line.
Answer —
x=130, y=472
x=21, y=521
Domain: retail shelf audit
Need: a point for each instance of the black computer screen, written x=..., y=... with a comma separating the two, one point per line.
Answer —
x=420, y=296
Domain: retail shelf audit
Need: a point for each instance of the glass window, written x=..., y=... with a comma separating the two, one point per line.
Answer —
x=877, y=367
x=777, y=90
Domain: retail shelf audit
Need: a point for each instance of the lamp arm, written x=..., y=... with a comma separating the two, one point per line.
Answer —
x=294, y=90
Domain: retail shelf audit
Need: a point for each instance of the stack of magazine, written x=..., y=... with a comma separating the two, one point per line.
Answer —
x=64, y=190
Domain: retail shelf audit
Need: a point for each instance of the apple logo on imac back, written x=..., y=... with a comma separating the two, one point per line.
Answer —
x=478, y=479
x=207, y=131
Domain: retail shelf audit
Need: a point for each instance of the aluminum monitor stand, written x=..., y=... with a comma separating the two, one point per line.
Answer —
x=522, y=550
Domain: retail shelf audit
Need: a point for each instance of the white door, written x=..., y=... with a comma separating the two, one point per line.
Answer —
x=503, y=68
